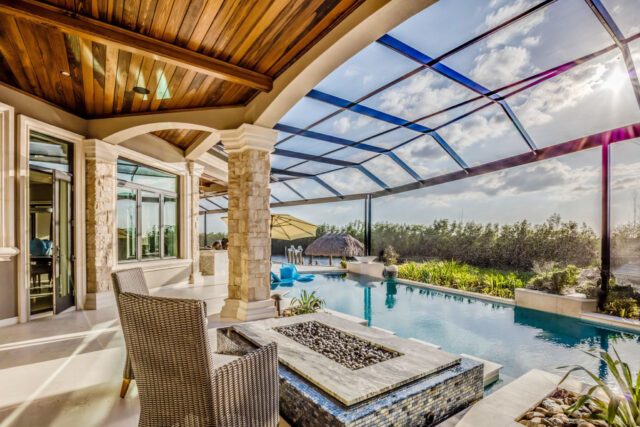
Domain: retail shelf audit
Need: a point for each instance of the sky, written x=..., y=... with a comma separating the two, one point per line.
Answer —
x=590, y=98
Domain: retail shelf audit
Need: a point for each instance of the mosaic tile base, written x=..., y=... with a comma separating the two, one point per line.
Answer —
x=424, y=402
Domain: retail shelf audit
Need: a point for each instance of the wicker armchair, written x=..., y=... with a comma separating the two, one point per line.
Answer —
x=131, y=281
x=177, y=382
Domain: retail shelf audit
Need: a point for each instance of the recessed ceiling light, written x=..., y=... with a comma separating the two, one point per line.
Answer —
x=65, y=73
x=141, y=90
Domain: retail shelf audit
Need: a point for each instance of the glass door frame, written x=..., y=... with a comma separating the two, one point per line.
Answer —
x=24, y=126
x=59, y=176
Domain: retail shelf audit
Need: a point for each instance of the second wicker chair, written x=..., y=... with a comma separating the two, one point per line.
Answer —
x=131, y=281
x=177, y=382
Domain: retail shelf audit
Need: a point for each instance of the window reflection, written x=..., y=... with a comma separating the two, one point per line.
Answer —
x=150, y=225
x=170, y=226
x=147, y=212
x=127, y=224
x=48, y=152
x=139, y=174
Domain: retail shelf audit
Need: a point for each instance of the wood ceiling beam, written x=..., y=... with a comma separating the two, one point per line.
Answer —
x=93, y=29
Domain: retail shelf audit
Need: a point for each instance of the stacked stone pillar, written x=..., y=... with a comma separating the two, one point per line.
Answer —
x=195, y=171
x=249, y=222
x=101, y=180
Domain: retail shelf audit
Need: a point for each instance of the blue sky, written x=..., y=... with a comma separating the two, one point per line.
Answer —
x=590, y=98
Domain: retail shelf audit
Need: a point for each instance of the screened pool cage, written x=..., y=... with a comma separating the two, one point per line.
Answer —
x=459, y=91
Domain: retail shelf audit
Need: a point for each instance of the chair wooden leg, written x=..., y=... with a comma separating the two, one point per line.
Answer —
x=125, y=387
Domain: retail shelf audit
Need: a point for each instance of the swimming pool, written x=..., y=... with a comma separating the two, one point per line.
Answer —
x=518, y=338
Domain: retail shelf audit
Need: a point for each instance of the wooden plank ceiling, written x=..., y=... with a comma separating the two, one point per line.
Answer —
x=96, y=78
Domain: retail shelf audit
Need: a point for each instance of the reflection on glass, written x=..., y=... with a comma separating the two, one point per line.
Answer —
x=150, y=225
x=127, y=226
x=144, y=175
x=47, y=152
x=64, y=244
x=170, y=226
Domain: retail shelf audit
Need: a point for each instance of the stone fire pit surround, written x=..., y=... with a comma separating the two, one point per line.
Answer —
x=346, y=385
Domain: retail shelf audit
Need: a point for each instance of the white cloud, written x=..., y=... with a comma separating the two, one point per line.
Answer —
x=345, y=123
x=553, y=179
x=477, y=127
x=518, y=29
x=506, y=64
x=422, y=94
x=354, y=71
x=540, y=104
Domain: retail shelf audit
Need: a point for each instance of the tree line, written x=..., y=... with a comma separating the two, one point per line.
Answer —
x=518, y=246
x=511, y=246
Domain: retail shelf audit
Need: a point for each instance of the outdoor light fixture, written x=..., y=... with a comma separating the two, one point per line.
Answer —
x=141, y=90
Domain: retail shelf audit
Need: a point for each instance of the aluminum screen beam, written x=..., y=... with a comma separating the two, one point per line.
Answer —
x=346, y=143
x=399, y=161
x=294, y=190
x=605, y=239
x=327, y=138
x=440, y=68
x=592, y=141
x=313, y=158
x=379, y=115
x=372, y=177
x=614, y=31
x=328, y=187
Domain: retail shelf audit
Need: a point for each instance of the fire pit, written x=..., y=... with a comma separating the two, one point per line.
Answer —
x=347, y=350
x=337, y=372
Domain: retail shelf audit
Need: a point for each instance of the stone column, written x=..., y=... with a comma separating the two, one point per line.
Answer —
x=249, y=221
x=193, y=227
x=101, y=181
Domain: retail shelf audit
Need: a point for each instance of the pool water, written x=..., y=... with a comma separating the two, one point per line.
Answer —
x=519, y=339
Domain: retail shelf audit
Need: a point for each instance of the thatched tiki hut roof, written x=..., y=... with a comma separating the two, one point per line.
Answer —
x=335, y=244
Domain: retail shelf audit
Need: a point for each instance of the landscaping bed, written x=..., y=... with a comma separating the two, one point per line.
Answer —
x=623, y=300
x=451, y=274
x=553, y=411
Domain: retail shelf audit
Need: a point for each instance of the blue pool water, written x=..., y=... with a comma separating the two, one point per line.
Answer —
x=518, y=338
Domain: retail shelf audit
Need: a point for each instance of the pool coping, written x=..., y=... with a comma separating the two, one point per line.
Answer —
x=447, y=290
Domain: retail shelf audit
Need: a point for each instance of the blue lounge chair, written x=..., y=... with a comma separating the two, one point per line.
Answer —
x=290, y=272
x=276, y=281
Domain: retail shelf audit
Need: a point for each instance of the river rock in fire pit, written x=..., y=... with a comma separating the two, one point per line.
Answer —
x=347, y=350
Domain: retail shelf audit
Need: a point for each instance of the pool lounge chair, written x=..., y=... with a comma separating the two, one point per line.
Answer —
x=276, y=281
x=290, y=272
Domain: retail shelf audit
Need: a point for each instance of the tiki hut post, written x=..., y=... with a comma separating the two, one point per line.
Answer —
x=310, y=259
x=330, y=259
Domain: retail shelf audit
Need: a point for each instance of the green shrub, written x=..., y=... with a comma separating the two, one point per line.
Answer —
x=390, y=256
x=622, y=307
x=623, y=408
x=555, y=281
x=455, y=275
x=343, y=263
x=623, y=301
x=306, y=303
